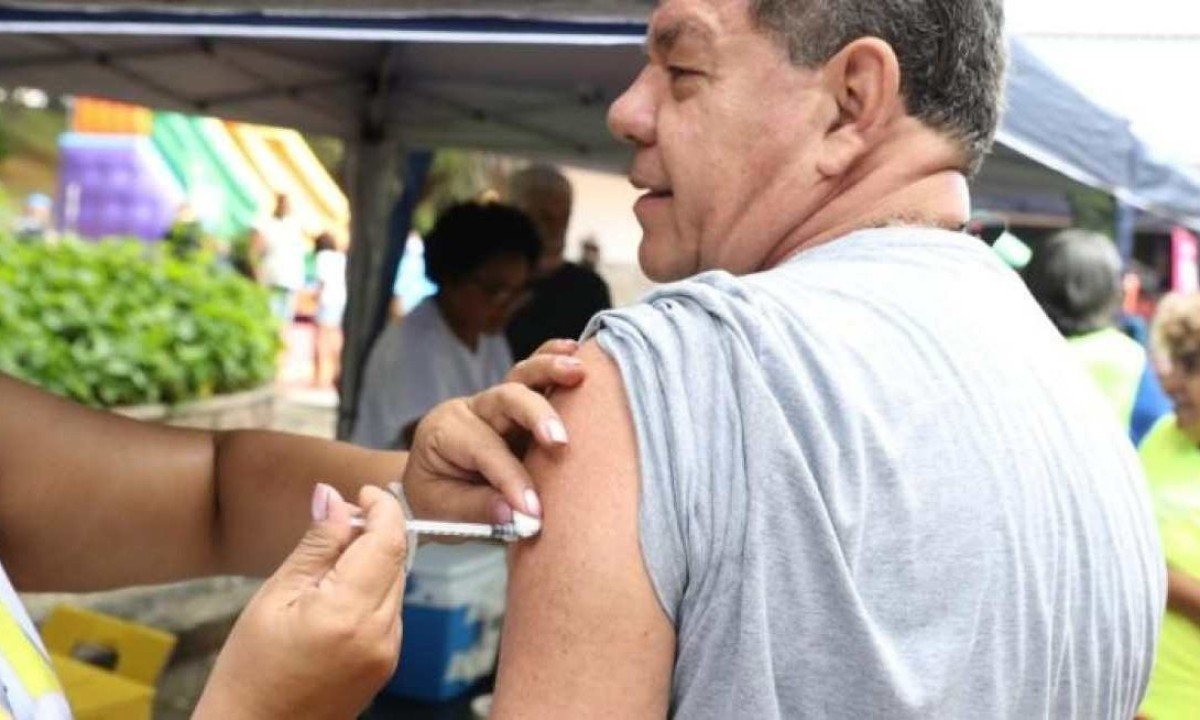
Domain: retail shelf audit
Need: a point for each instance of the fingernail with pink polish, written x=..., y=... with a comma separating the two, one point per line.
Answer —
x=533, y=506
x=320, y=502
x=502, y=511
x=555, y=430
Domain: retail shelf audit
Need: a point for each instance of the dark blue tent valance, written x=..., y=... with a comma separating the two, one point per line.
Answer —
x=525, y=78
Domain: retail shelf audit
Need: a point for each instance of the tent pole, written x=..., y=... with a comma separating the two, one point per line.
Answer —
x=416, y=169
x=371, y=165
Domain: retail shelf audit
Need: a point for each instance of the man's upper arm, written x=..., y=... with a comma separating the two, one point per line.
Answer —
x=585, y=635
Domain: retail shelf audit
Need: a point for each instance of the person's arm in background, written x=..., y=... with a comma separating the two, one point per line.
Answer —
x=1150, y=404
x=584, y=635
x=91, y=500
x=258, y=250
x=1183, y=594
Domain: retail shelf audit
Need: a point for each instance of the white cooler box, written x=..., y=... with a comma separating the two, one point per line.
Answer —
x=453, y=608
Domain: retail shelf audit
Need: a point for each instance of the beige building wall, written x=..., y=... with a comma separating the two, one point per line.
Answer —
x=604, y=211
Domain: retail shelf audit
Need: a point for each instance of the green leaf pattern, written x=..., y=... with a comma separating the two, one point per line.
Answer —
x=119, y=322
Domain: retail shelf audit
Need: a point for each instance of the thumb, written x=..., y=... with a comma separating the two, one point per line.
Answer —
x=325, y=541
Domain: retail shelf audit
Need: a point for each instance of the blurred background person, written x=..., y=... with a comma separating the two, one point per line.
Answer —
x=330, y=269
x=1136, y=306
x=1171, y=458
x=563, y=296
x=36, y=222
x=279, y=249
x=185, y=236
x=590, y=258
x=1076, y=277
x=481, y=257
x=412, y=282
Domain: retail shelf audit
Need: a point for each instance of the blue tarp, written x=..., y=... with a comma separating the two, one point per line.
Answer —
x=1052, y=123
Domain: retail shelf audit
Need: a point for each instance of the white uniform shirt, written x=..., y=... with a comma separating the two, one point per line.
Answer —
x=331, y=273
x=416, y=364
x=283, y=258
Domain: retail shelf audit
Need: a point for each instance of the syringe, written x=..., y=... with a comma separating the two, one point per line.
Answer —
x=522, y=527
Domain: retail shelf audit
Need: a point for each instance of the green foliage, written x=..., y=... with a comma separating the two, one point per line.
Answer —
x=8, y=212
x=5, y=146
x=33, y=131
x=1093, y=210
x=330, y=151
x=456, y=176
x=31, y=136
x=116, y=323
x=186, y=238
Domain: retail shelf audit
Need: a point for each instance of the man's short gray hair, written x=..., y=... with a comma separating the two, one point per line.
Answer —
x=952, y=54
x=1075, y=276
x=533, y=184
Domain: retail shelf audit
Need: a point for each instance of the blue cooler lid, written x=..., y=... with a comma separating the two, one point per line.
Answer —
x=456, y=561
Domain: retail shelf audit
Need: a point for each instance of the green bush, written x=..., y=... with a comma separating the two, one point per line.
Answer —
x=117, y=323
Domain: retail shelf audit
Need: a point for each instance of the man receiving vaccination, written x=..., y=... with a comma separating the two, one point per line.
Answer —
x=845, y=468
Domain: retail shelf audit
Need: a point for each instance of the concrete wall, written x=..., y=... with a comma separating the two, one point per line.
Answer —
x=250, y=409
x=604, y=210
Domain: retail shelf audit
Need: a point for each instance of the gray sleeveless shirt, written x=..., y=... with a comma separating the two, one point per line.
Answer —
x=874, y=484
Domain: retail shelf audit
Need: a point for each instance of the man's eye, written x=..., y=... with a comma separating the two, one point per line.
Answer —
x=678, y=73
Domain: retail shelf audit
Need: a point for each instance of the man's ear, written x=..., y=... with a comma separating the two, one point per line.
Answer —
x=864, y=80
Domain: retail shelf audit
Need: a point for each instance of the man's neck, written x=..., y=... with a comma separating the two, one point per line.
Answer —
x=916, y=186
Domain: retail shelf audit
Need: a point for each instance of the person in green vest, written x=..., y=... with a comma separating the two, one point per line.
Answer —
x=1076, y=277
x=1171, y=458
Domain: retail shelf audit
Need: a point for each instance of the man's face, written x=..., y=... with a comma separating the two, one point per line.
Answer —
x=484, y=301
x=1181, y=381
x=726, y=133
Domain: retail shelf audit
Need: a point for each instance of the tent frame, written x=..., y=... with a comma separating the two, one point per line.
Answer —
x=539, y=78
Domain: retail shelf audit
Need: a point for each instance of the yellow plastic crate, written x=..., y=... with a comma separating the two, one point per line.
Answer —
x=127, y=691
x=97, y=694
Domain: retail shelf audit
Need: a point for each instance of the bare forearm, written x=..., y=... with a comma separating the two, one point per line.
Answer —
x=1183, y=594
x=264, y=483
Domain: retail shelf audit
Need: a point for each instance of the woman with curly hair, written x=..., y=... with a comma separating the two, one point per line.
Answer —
x=480, y=256
x=1171, y=458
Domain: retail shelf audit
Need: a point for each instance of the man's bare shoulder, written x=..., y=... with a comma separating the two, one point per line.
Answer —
x=585, y=636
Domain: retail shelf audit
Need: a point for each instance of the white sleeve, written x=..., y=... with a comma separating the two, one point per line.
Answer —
x=324, y=267
x=374, y=426
x=397, y=388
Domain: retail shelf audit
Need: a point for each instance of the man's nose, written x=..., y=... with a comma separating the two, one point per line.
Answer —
x=631, y=117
